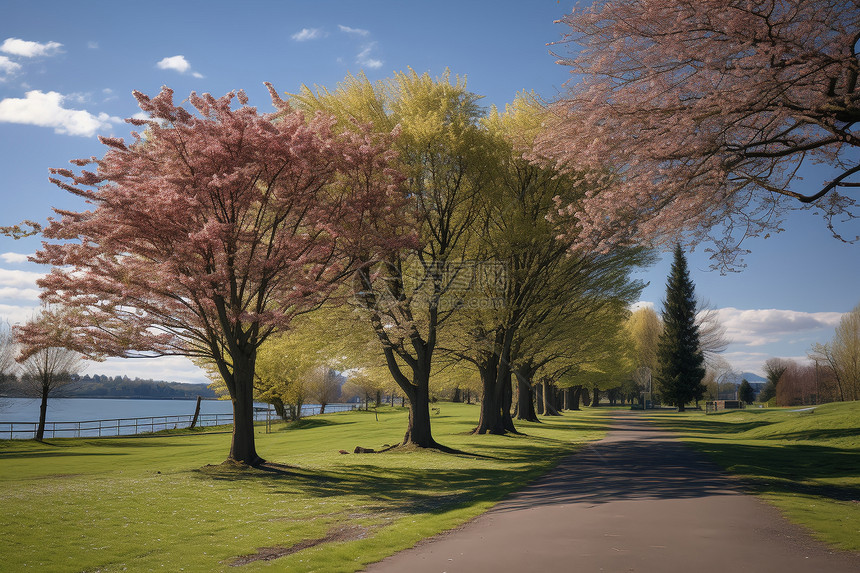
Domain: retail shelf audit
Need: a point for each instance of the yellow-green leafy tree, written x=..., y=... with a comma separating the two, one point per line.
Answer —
x=408, y=297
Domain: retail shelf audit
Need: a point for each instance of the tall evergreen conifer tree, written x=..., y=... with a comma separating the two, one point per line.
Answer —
x=680, y=361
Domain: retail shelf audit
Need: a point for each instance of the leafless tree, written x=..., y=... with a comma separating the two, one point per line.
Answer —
x=7, y=355
x=841, y=356
x=323, y=386
x=712, y=333
x=44, y=372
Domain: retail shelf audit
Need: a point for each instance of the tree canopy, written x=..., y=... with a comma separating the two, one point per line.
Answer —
x=211, y=231
x=699, y=117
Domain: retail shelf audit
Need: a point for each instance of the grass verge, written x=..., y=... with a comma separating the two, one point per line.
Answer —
x=804, y=461
x=156, y=503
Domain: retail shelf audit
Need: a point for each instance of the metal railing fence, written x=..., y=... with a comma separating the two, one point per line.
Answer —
x=130, y=426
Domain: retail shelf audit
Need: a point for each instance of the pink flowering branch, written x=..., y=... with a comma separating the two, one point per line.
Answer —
x=692, y=117
x=216, y=229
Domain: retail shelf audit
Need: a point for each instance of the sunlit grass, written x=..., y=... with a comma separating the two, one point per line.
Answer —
x=804, y=461
x=165, y=502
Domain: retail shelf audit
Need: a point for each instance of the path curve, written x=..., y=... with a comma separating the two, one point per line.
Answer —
x=638, y=500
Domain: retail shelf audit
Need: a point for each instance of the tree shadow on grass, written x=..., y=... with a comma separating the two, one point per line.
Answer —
x=699, y=426
x=404, y=490
x=55, y=454
x=68, y=448
x=305, y=423
x=819, y=434
x=792, y=462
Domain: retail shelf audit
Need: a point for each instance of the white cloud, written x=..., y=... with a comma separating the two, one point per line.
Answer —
x=363, y=58
x=14, y=293
x=641, y=304
x=46, y=110
x=766, y=326
x=306, y=34
x=18, y=47
x=175, y=63
x=15, y=314
x=7, y=66
x=354, y=31
x=754, y=361
x=169, y=368
x=178, y=64
x=14, y=257
x=93, y=45
x=18, y=279
x=78, y=97
x=758, y=334
x=20, y=287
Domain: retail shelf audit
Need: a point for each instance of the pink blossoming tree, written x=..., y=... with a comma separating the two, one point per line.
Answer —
x=696, y=117
x=211, y=231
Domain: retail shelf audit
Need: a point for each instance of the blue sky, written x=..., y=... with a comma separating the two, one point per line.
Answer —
x=67, y=70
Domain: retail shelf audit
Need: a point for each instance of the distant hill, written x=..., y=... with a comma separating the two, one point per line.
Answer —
x=99, y=386
x=756, y=381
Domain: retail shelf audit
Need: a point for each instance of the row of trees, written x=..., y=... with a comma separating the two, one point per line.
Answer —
x=390, y=227
x=219, y=228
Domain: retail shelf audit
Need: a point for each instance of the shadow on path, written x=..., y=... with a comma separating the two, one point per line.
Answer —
x=638, y=500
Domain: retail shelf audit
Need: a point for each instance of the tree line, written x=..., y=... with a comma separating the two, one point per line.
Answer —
x=102, y=386
x=833, y=374
x=397, y=231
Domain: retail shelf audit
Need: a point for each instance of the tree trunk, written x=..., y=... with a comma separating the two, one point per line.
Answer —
x=575, y=395
x=322, y=407
x=539, y=398
x=490, y=421
x=242, y=447
x=507, y=402
x=280, y=409
x=418, y=431
x=196, y=414
x=595, y=397
x=457, y=396
x=525, y=396
x=43, y=414
x=549, y=395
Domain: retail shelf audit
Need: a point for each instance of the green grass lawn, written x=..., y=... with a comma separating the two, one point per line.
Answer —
x=804, y=461
x=165, y=503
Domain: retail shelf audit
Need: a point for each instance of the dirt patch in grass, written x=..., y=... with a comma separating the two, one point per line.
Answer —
x=335, y=534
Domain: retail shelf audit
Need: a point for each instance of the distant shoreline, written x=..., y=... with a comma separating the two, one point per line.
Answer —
x=114, y=397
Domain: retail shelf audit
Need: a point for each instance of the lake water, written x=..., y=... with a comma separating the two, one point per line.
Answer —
x=82, y=409
x=87, y=417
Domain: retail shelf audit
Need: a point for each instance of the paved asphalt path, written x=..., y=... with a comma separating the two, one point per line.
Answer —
x=637, y=500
